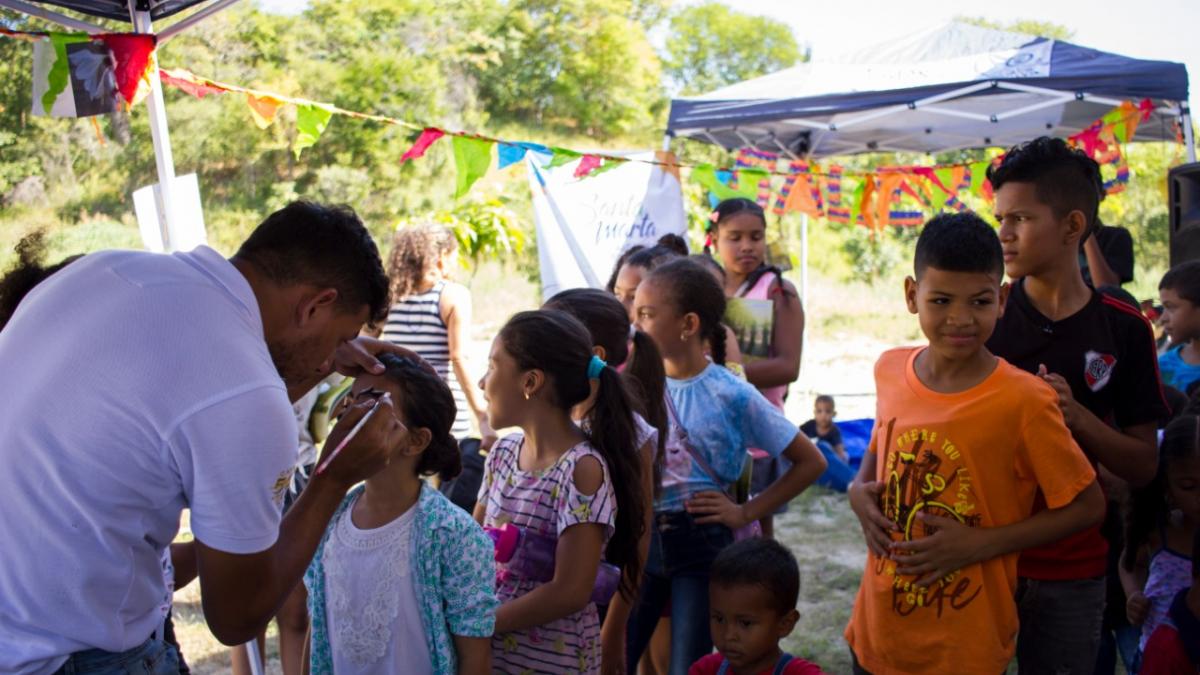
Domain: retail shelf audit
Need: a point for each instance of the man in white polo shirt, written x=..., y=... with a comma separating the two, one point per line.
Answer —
x=151, y=383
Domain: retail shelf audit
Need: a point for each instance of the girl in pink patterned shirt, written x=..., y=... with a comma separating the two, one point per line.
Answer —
x=579, y=484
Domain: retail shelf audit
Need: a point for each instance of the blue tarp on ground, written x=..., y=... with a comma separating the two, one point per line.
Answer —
x=856, y=434
x=1027, y=86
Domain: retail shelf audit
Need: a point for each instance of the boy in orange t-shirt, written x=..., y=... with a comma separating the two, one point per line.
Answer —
x=963, y=442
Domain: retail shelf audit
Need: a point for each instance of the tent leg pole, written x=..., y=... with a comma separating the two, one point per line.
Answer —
x=666, y=146
x=163, y=160
x=804, y=259
x=1189, y=138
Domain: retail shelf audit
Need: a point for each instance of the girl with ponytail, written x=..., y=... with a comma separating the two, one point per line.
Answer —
x=738, y=237
x=613, y=336
x=402, y=578
x=579, y=484
x=680, y=305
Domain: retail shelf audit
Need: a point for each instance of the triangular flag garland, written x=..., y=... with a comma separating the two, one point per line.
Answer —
x=427, y=138
x=472, y=159
x=263, y=109
x=885, y=196
x=132, y=54
x=311, y=121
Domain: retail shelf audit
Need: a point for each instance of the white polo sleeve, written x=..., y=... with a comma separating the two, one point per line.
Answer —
x=236, y=456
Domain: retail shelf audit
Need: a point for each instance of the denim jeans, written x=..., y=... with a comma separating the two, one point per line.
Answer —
x=1060, y=626
x=152, y=657
x=1117, y=643
x=681, y=552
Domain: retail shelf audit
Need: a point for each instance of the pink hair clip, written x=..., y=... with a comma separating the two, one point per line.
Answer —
x=713, y=217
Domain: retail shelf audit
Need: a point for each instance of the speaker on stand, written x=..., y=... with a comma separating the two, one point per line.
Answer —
x=1183, y=184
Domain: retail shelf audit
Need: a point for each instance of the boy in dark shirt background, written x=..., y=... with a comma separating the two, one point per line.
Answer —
x=1099, y=355
x=821, y=427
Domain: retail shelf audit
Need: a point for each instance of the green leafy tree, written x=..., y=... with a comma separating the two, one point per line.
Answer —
x=711, y=45
x=585, y=65
x=1046, y=29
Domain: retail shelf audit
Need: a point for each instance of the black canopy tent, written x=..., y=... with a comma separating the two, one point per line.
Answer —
x=141, y=14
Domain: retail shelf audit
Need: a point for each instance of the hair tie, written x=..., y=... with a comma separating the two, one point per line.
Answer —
x=595, y=367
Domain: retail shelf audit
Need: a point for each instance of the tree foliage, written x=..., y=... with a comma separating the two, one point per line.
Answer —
x=1046, y=29
x=711, y=45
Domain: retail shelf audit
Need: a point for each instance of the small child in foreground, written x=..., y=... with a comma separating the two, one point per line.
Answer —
x=963, y=442
x=1174, y=647
x=753, y=588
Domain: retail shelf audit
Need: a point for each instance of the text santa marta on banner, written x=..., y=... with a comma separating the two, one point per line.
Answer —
x=584, y=224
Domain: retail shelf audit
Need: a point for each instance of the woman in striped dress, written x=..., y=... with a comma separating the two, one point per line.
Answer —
x=431, y=315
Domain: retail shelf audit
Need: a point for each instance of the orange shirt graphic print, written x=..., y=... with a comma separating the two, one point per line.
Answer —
x=924, y=476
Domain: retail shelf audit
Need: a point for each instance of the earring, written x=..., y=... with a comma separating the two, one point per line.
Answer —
x=683, y=337
x=526, y=396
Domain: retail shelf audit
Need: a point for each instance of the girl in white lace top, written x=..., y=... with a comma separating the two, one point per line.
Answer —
x=403, y=580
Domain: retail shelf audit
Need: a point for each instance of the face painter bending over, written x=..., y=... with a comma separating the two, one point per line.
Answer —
x=152, y=383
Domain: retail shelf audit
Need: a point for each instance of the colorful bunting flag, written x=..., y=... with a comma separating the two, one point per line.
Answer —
x=472, y=158
x=189, y=83
x=133, y=54
x=587, y=165
x=426, y=139
x=747, y=184
x=750, y=162
x=799, y=192
x=311, y=121
x=263, y=109
x=562, y=156
x=979, y=183
x=509, y=154
x=706, y=175
x=72, y=77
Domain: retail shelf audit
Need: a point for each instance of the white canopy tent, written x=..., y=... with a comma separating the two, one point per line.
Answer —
x=953, y=86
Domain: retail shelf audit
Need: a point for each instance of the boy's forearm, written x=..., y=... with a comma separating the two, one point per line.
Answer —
x=1047, y=526
x=1130, y=454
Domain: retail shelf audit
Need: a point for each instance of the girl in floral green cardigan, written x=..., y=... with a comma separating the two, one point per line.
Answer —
x=403, y=580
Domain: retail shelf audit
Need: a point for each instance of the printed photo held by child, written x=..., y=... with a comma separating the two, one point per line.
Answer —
x=578, y=486
x=963, y=442
x=402, y=581
x=1179, y=291
x=753, y=589
x=617, y=341
x=680, y=305
x=738, y=236
x=1163, y=519
x=1098, y=354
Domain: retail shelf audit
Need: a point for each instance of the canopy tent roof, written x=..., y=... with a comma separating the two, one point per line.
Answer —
x=953, y=86
x=119, y=9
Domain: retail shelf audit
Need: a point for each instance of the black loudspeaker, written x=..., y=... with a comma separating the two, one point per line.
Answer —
x=1184, y=186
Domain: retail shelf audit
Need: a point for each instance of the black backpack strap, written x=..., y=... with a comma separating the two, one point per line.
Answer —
x=782, y=663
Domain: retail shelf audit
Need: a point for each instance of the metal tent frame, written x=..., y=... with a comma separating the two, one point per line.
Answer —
x=141, y=15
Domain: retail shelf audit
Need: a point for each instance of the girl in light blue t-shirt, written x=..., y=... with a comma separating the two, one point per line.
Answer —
x=680, y=305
